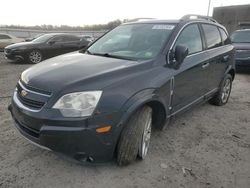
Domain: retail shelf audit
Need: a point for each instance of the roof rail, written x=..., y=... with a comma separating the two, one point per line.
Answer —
x=139, y=19
x=195, y=16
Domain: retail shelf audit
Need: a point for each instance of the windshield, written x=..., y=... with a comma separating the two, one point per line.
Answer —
x=133, y=41
x=241, y=37
x=43, y=38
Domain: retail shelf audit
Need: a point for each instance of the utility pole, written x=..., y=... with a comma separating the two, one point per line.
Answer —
x=208, y=9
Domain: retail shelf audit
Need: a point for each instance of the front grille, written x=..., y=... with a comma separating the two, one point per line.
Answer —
x=242, y=54
x=30, y=103
x=33, y=99
x=7, y=51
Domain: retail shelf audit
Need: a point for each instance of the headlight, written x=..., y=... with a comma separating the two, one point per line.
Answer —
x=79, y=104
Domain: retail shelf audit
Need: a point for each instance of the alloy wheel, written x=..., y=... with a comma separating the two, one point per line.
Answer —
x=226, y=90
x=143, y=150
x=35, y=57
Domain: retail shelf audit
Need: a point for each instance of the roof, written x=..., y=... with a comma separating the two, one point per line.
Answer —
x=233, y=6
x=154, y=21
x=56, y=34
x=185, y=18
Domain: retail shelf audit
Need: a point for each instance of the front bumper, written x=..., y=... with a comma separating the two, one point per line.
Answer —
x=242, y=58
x=74, y=138
x=242, y=62
x=13, y=55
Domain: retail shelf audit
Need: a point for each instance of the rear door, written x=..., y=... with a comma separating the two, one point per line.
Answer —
x=219, y=52
x=190, y=81
x=70, y=44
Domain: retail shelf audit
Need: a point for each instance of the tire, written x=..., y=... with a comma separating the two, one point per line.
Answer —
x=222, y=96
x=35, y=56
x=131, y=140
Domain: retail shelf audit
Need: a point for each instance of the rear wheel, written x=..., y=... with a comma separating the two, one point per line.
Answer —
x=223, y=94
x=135, y=137
x=35, y=56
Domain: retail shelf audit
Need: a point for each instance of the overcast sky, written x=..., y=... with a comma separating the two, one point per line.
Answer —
x=82, y=12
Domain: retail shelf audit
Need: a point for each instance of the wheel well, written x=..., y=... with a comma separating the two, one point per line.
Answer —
x=158, y=119
x=232, y=73
x=159, y=114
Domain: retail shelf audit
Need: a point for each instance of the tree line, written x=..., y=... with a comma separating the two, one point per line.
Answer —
x=95, y=27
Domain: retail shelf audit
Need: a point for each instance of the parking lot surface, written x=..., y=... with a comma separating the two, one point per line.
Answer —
x=208, y=146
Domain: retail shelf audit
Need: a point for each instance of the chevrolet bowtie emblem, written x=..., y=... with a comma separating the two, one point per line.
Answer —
x=24, y=93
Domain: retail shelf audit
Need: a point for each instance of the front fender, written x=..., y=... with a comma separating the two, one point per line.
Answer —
x=138, y=100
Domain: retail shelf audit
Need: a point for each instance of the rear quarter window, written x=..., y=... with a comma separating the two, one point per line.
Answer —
x=212, y=36
x=225, y=38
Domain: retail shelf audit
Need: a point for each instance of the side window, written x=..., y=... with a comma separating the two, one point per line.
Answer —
x=190, y=37
x=71, y=39
x=212, y=36
x=224, y=37
x=4, y=37
x=58, y=39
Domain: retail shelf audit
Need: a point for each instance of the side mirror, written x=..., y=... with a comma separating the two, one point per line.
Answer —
x=83, y=49
x=180, y=53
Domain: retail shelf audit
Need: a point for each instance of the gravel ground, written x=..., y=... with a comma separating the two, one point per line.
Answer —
x=208, y=146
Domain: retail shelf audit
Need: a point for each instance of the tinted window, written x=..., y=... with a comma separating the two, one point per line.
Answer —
x=4, y=37
x=43, y=38
x=212, y=36
x=71, y=38
x=241, y=36
x=224, y=37
x=190, y=37
x=58, y=39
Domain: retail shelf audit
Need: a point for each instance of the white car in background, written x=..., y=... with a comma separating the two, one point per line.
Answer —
x=6, y=39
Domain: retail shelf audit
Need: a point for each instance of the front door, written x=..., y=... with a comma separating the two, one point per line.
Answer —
x=190, y=80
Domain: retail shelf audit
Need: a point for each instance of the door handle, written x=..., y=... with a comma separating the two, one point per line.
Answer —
x=205, y=65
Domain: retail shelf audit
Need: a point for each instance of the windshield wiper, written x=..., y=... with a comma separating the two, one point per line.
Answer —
x=113, y=56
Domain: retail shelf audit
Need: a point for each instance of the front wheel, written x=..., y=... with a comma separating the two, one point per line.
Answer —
x=223, y=94
x=35, y=57
x=135, y=137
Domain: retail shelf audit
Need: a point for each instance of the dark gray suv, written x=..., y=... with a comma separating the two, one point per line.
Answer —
x=102, y=103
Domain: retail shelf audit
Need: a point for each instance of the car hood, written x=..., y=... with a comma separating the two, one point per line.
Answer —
x=20, y=44
x=242, y=46
x=73, y=70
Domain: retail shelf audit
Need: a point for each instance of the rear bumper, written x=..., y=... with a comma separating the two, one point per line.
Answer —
x=82, y=142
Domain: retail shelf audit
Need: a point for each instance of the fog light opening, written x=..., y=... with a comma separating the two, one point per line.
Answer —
x=90, y=159
x=82, y=157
